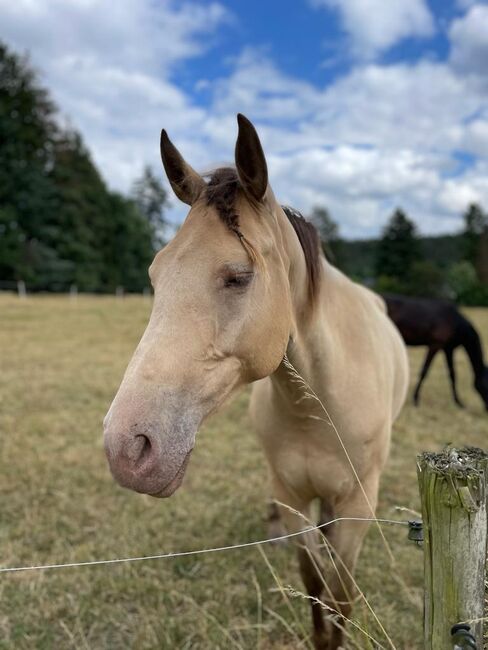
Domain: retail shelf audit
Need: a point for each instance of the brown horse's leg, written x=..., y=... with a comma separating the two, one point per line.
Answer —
x=295, y=514
x=326, y=515
x=275, y=524
x=432, y=351
x=313, y=579
x=344, y=543
x=452, y=375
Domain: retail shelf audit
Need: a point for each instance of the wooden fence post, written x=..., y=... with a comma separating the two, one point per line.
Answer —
x=21, y=290
x=453, y=492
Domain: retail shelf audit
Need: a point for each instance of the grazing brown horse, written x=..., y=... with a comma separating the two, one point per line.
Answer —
x=241, y=287
x=440, y=326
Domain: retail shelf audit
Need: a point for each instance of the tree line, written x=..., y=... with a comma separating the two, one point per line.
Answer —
x=60, y=225
x=453, y=267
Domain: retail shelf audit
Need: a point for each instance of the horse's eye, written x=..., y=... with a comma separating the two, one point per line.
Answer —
x=238, y=280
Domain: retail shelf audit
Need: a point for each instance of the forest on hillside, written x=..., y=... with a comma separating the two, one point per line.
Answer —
x=61, y=226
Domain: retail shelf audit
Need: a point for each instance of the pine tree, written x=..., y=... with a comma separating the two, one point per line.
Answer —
x=328, y=231
x=151, y=198
x=398, y=248
x=475, y=238
x=27, y=130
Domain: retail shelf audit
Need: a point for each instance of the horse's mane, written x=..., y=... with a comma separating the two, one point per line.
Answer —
x=221, y=193
x=309, y=240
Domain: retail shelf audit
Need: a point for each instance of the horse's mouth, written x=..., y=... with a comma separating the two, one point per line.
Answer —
x=171, y=487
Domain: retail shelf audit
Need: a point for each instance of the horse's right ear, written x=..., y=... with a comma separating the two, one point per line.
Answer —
x=187, y=184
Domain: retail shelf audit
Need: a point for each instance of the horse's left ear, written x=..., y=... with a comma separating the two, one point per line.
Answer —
x=250, y=161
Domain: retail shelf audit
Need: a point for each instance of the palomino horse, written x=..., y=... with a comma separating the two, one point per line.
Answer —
x=240, y=289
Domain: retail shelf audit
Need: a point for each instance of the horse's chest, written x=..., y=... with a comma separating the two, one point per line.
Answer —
x=306, y=453
x=309, y=463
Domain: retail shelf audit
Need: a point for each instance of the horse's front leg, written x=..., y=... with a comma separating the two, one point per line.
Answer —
x=344, y=540
x=275, y=526
x=295, y=514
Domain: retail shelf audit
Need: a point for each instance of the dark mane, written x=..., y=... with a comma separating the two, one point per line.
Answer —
x=221, y=193
x=310, y=243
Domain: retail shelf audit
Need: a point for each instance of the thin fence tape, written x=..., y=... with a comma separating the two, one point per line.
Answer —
x=163, y=556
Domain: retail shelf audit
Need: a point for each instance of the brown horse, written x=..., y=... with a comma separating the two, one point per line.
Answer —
x=241, y=287
x=439, y=325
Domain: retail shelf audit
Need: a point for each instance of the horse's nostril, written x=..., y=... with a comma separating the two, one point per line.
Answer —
x=141, y=449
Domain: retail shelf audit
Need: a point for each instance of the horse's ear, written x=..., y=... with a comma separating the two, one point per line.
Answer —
x=187, y=184
x=250, y=161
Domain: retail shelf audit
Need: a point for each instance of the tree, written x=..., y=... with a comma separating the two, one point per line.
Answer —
x=59, y=223
x=81, y=220
x=127, y=245
x=327, y=228
x=465, y=286
x=27, y=131
x=151, y=199
x=427, y=280
x=398, y=248
x=482, y=262
x=475, y=237
x=328, y=231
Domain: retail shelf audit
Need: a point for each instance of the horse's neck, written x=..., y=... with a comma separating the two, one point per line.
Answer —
x=305, y=365
x=472, y=344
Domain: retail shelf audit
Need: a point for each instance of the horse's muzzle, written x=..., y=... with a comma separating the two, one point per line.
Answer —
x=146, y=463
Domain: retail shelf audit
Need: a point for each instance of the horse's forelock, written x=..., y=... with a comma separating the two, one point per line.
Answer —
x=221, y=192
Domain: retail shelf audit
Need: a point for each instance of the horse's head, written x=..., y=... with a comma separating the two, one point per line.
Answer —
x=222, y=316
x=481, y=385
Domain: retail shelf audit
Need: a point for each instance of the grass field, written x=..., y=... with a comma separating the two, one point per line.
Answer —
x=61, y=363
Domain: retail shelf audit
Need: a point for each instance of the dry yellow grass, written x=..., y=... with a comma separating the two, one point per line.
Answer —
x=61, y=363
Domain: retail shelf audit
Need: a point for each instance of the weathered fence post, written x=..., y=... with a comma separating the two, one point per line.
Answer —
x=454, y=496
x=21, y=290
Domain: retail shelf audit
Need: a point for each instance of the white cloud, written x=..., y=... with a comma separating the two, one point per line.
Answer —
x=361, y=187
x=476, y=136
x=374, y=26
x=133, y=34
x=256, y=77
x=389, y=107
x=472, y=187
x=465, y=4
x=469, y=38
x=378, y=137
x=109, y=68
x=397, y=106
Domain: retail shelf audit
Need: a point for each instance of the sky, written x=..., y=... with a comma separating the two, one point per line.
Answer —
x=361, y=105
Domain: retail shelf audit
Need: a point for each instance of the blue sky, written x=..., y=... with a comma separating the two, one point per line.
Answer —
x=362, y=105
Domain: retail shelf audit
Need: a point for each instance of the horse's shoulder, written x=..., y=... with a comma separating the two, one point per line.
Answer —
x=370, y=299
x=375, y=298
